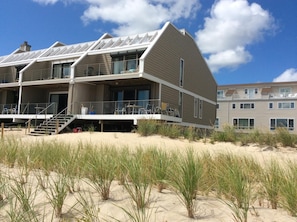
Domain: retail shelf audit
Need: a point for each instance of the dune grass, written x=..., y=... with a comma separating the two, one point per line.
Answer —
x=184, y=178
x=60, y=169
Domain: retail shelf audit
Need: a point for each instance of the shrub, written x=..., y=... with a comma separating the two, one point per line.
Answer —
x=147, y=127
x=285, y=138
x=227, y=135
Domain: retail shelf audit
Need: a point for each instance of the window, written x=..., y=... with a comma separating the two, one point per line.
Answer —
x=286, y=105
x=220, y=94
x=181, y=73
x=218, y=106
x=196, y=107
x=123, y=63
x=251, y=92
x=247, y=105
x=233, y=106
x=61, y=70
x=243, y=123
x=180, y=102
x=284, y=92
x=200, y=108
x=282, y=122
x=270, y=105
x=216, y=123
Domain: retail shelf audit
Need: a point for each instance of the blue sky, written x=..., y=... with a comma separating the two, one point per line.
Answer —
x=243, y=41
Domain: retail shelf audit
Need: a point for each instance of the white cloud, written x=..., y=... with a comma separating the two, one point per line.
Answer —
x=46, y=2
x=287, y=76
x=230, y=58
x=139, y=15
x=232, y=25
x=134, y=16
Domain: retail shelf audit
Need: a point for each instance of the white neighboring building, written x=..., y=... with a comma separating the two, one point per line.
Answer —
x=263, y=106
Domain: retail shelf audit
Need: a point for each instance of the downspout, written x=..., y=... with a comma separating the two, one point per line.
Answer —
x=21, y=76
x=21, y=84
x=72, y=72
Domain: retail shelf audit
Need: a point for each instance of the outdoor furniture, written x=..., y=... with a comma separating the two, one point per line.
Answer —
x=147, y=110
x=133, y=109
x=5, y=110
x=120, y=111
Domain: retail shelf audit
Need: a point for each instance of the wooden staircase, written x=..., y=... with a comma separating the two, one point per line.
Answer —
x=54, y=125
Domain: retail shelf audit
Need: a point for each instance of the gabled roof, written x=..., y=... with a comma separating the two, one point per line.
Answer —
x=58, y=50
x=23, y=56
x=68, y=49
x=126, y=41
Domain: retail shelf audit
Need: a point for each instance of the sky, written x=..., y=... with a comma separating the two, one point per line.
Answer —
x=242, y=41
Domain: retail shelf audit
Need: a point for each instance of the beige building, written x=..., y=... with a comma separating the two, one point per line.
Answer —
x=263, y=106
x=112, y=81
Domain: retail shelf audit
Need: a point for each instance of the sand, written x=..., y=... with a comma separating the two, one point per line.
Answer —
x=165, y=206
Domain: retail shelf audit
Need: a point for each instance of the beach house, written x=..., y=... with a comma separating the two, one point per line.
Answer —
x=263, y=106
x=109, y=83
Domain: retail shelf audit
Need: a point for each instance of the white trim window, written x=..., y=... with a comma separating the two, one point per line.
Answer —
x=282, y=122
x=251, y=92
x=286, y=105
x=284, y=92
x=220, y=94
x=243, y=123
x=270, y=105
x=181, y=72
x=217, y=123
x=247, y=105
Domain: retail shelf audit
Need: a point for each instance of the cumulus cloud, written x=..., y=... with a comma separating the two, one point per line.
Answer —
x=230, y=58
x=134, y=16
x=139, y=15
x=287, y=76
x=230, y=28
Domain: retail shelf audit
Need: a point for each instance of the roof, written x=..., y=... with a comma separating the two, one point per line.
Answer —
x=256, y=85
x=75, y=50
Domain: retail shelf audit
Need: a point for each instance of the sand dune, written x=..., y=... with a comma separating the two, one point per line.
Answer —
x=165, y=206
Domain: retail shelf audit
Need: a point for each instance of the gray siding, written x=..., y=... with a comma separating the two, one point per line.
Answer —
x=163, y=61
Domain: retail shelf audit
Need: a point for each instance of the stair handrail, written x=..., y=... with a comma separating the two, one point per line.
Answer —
x=56, y=116
x=26, y=107
x=46, y=108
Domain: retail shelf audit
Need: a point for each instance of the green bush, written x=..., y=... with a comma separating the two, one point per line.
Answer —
x=285, y=138
x=227, y=135
x=147, y=127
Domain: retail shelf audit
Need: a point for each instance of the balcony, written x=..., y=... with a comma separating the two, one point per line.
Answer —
x=94, y=69
x=125, y=107
x=97, y=69
x=7, y=78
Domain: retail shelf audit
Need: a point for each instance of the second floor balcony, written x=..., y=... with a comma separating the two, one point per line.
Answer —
x=85, y=70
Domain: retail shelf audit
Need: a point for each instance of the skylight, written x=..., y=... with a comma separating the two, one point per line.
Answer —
x=126, y=41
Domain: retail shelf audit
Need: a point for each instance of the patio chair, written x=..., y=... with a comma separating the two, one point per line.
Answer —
x=5, y=110
x=147, y=110
x=14, y=110
x=120, y=111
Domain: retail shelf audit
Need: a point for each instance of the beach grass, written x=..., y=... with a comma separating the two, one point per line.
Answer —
x=59, y=169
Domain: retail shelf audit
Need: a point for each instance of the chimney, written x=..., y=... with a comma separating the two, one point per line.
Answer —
x=25, y=47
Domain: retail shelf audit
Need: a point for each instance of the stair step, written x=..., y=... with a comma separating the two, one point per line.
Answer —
x=49, y=127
